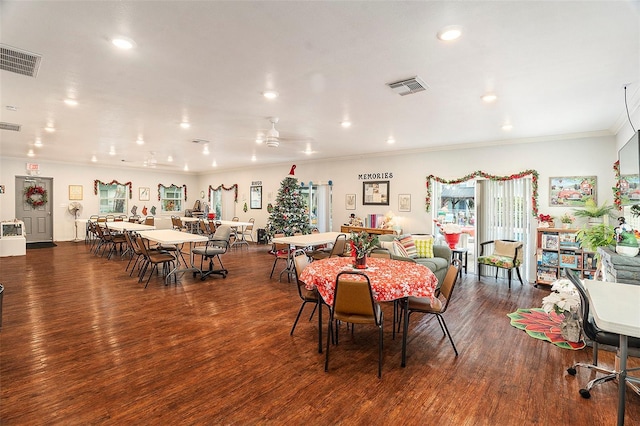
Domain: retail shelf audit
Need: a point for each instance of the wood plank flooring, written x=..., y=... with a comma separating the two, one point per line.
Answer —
x=83, y=343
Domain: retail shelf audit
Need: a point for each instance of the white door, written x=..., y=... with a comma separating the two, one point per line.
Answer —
x=38, y=220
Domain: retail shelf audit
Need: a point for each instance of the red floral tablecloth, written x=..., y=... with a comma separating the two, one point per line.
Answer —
x=390, y=279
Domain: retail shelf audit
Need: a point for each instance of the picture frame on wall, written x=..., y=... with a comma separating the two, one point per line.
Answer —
x=144, y=193
x=75, y=192
x=255, y=197
x=404, y=202
x=572, y=191
x=375, y=193
x=350, y=201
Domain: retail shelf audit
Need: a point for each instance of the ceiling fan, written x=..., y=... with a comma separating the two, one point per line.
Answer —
x=273, y=135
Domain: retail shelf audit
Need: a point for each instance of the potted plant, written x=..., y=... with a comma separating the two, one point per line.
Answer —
x=564, y=300
x=593, y=212
x=598, y=235
x=361, y=245
x=566, y=220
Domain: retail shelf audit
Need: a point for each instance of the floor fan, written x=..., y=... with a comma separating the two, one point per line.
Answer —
x=75, y=208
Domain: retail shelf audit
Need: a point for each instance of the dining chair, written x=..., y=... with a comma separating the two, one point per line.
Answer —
x=134, y=219
x=434, y=305
x=134, y=251
x=150, y=220
x=281, y=252
x=155, y=258
x=234, y=229
x=248, y=230
x=507, y=254
x=110, y=218
x=353, y=303
x=597, y=337
x=115, y=239
x=338, y=248
x=218, y=244
x=381, y=253
x=301, y=261
x=212, y=226
x=177, y=224
x=203, y=227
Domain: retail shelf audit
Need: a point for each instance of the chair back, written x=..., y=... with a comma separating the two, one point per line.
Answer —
x=587, y=326
x=204, y=227
x=110, y=218
x=176, y=222
x=131, y=242
x=250, y=227
x=143, y=245
x=134, y=219
x=381, y=253
x=212, y=226
x=279, y=247
x=235, y=219
x=223, y=233
x=94, y=217
x=197, y=206
x=450, y=279
x=150, y=220
x=353, y=299
x=301, y=261
x=339, y=245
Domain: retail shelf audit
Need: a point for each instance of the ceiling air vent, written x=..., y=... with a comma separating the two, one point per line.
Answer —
x=408, y=86
x=19, y=61
x=200, y=141
x=10, y=126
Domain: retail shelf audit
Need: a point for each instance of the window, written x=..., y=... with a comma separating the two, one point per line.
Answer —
x=171, y=198
x=113, y=198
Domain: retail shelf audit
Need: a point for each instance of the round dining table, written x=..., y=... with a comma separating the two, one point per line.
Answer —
x=390, y=280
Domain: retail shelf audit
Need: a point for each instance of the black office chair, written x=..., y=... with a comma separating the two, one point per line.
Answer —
x=218, y=244
x=597, y=336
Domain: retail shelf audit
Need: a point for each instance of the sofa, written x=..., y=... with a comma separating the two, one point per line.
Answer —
x=400, y=247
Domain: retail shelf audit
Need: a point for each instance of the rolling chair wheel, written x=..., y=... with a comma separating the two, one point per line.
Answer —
x=571, y=371
x=585, y=393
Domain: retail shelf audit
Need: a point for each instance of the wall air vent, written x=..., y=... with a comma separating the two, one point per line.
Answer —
x=408, y=86
x=10, y=126
x=19, y=61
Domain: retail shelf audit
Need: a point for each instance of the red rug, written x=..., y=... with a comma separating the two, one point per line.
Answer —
x=540, y=325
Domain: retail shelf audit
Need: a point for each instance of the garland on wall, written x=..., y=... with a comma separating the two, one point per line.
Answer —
x=113, y=182
x=172, y=186
x=35, y=196
x=534, y=184
x=234, y=186
x=617, y=193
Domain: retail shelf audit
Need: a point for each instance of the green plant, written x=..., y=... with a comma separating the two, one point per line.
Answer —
x=591, y=209
x=363, y=243
x=599, y=235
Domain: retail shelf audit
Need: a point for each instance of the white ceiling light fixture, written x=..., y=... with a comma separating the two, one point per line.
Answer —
x=186, y=168
x=112, y=151
x=260, y=139
x=205, y=149
x=71, y=102
x=489, y=98
x=185, y=125
x=31, y=153
x=214, y=164
x=94, y=159
x=270, y=94
x=507, y=127
x=391, y=141
x=38, y=143
x=345, y=124
x=253, y=158
x=50, y=128
x=170, y=159
x=273, y=136
x=450, y=33
x=140, y=141
x=123, y=43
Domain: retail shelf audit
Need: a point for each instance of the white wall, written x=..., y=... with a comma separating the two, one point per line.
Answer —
x=587, y=156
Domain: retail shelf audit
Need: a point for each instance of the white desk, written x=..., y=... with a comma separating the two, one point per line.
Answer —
x=615, y=308
x=240, y=239
x=177, y=238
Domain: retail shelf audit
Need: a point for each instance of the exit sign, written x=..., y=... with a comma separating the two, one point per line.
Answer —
x=33, y=166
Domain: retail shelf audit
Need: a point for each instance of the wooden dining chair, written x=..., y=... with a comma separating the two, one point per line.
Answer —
x=338, y=248
x=353, y=303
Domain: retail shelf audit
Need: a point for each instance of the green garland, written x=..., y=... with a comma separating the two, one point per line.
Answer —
x=113, y=182
x=40, y=198
x=534, y=181
x=234, y=186
x=172, y=186
x=617, y=193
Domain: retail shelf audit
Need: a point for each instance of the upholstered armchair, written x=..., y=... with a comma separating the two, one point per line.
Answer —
x=501, y=254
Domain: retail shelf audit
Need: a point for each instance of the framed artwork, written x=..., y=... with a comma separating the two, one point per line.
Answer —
x=350, y=201
x=572, y=191
x=404, y=202
x=144, y=193
x=629, y=190
x=256, y=197
x=75, y=192
x=375, y=193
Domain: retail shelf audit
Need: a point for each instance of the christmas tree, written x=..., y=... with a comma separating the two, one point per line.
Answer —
x=289, y=215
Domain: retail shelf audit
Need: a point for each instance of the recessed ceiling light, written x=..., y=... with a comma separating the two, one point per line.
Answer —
x=391, y=141
x=205, y=149
x=270, y=94
x=50, y=129
x=31, y=153
x=450, y=33
x=170, y=159
x=253, y=158
x=506, y=127
x=94, y=159
x=489, y=97
x=140, y=141
x=186, y=168
x=38, y=143
x=71, y=102
x=112, y=151
x=259, y=140
x=214, y=164
x=123, y=43
x=346, y=124
x=185, y=125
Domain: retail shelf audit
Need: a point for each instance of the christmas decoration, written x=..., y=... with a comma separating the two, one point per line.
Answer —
x=245, y=208
x=617, y=193
x=234, y=186
x=172, y=186
x=144, y=210
x=289, y=215
x=113, y=182
x=534, y=185
x=36, y=196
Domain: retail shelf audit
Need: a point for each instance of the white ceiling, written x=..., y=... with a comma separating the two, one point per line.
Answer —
x=557, y=68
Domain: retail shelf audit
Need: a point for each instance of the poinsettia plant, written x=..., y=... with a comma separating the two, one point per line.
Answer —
x=363, y=243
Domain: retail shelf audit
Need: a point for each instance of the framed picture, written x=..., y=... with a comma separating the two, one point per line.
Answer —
x=375, y=193
x=350, y=201
x=144, y=193
x=256, y=197
x=75, y=192
x=404, y=202
x=629, y=189
x=572, y=191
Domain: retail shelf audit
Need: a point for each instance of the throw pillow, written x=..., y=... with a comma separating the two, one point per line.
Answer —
x=424, y=247
x=409, y=246
x=389, y=246
x=505, y=248
x=399, y=249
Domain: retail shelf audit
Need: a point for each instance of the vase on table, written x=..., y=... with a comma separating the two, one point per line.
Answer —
x=452, y=240
x=360, y=262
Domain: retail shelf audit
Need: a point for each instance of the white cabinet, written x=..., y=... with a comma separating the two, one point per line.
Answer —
x=12, y=240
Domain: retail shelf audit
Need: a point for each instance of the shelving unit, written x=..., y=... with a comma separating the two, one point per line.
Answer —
x=557, y=249
x=378, y=231
x=12, y=240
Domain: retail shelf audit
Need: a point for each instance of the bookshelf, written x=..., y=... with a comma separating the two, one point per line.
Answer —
x=557, y=249
x=378, y=231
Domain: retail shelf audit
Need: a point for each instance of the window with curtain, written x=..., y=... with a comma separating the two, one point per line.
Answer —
x=113, y=198
x=504, y=212
x=171, y=198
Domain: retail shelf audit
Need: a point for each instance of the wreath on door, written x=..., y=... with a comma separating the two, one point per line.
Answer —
x=35, y=196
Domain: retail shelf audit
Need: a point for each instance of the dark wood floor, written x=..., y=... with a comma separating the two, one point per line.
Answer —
x=82, y=343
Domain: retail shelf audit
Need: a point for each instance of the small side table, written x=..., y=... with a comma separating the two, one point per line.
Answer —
x=458, y=253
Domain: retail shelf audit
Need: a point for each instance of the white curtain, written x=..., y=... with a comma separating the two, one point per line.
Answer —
x=504, y=212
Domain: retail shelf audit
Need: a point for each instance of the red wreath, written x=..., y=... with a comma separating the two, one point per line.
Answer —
x=35, y=196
